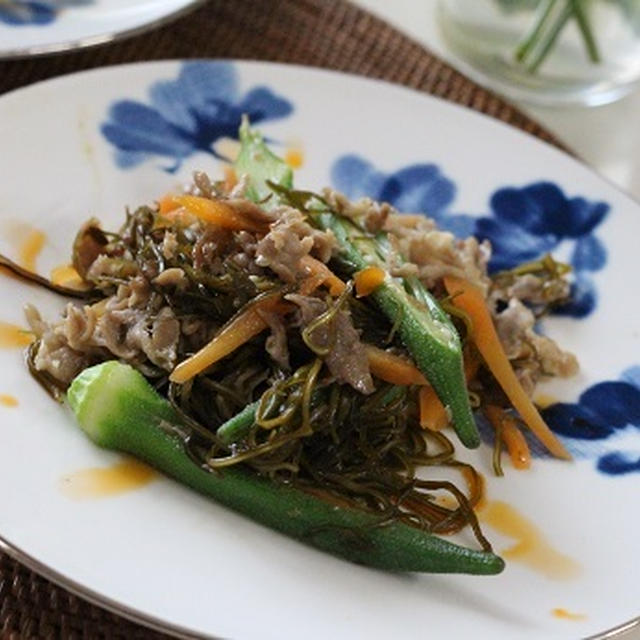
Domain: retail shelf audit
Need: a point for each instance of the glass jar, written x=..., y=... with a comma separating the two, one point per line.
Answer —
x=547, y=51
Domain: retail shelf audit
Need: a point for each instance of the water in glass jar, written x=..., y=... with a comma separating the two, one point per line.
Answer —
x=548, y=51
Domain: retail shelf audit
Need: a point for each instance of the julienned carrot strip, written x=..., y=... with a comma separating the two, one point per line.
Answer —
x=240, y=329
x=230, y=179
x=249, y=323
x=516, y=445
x=67, y=276
x=316, y=268
x=392, y=368
x=310, y=284
x=368, y=280
x=470, y=299
x=433, y=415
x=217, y=212
x=167, y=203
x=512, y=437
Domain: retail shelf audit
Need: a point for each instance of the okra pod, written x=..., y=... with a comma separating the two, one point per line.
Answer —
x=237, y=427
x=424, y=328
x=119, y=410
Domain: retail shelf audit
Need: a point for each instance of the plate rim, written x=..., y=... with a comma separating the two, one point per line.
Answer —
x=94, y=597
x=162, y=626
x=66, y=46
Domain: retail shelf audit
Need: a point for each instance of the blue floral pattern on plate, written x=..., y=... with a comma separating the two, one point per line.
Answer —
x=40, y=13
x=599, y=426
x=605, y=411
x=523, y=224
x=203, y=105
x=188, y=114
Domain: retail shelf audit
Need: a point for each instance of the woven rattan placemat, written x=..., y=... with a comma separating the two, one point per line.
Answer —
x=325, y=33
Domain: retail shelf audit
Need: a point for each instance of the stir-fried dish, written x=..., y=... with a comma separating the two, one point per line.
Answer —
x=316, y=343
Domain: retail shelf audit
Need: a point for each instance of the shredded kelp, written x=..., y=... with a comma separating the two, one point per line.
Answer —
x=329, y=439
x=305, y=408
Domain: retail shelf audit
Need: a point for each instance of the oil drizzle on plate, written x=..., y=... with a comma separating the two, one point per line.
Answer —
x=563, y=614
x=11, y=336
x=531, y=547
x=103, y=482
x=30, y=243
x=294, y=157
x=67, y=276
x=7, y=400
x=30, y=249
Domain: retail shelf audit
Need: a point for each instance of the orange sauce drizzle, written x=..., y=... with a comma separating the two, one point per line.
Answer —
x=7, y=400
x=103, y=482
x=11, y=335
x=531, y=547
x=30, y=243
x=67, y=276
x=30, y=249
x=563, y=614
x=294, y=158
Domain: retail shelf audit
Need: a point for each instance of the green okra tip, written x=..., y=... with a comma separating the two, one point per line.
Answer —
x=119, y=410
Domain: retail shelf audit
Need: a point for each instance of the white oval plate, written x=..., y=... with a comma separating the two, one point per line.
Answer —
x=93, y=143
x=48, y=26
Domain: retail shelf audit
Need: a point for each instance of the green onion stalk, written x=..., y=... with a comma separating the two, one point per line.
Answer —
x=551, y=19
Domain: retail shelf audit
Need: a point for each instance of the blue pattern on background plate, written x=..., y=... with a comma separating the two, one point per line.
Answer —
x=35, y=13
x=188, y=114
x=524, y=222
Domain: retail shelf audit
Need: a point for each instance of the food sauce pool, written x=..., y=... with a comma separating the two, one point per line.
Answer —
x=531, y=548
x=11, y=335
x=103, y=482
x=7, y=400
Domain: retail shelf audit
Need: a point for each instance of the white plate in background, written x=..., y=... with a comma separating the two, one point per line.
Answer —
x=49, y=26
